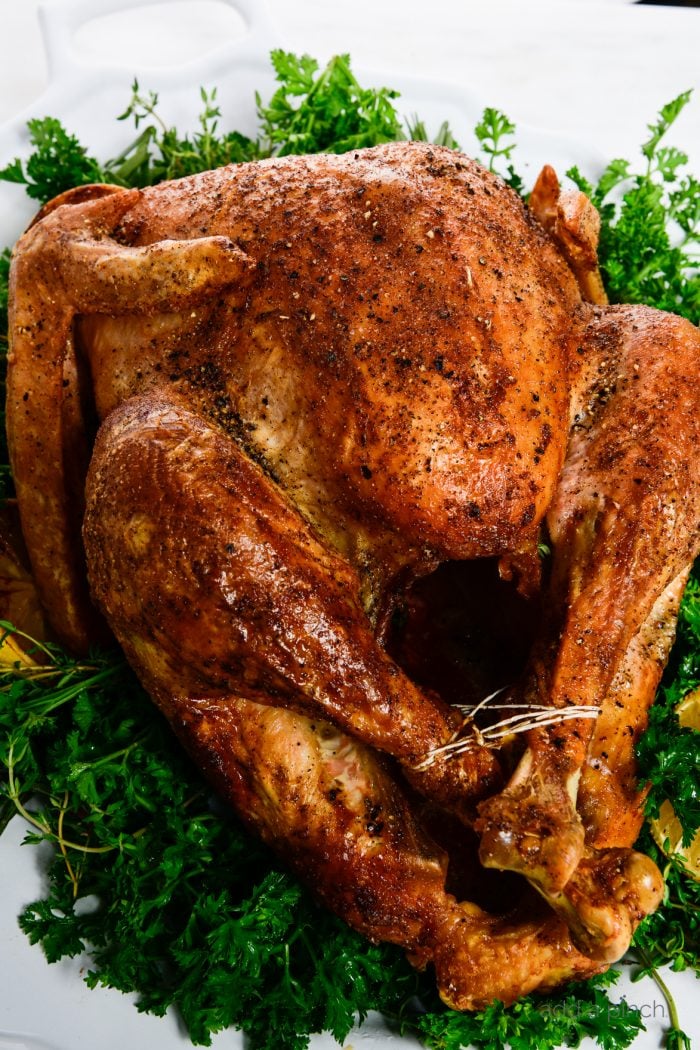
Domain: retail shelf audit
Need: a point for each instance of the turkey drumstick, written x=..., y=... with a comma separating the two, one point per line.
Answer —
x=211, y=583
x=624, y=528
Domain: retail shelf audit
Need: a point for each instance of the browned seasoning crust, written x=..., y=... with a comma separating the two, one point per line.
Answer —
x=319, y=378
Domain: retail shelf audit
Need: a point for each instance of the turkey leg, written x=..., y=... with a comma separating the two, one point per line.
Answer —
x=70, y=264
x=624, y=526
x=205, y=571
x=212, y=583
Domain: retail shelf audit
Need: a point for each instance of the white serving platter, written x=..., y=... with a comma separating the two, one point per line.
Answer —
x=46, y=1007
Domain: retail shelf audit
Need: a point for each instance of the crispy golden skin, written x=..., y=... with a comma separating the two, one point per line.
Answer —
x=348, y=320
x=318, y=379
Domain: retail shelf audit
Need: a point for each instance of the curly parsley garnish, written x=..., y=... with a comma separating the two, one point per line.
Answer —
x=650, y=234
x=57, y=162
x=312, y=111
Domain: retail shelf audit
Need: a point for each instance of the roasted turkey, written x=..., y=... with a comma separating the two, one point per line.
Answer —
x=317, y=379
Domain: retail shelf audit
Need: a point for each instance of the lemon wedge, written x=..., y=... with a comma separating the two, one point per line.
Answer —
x=666, y=828
x=13, y=655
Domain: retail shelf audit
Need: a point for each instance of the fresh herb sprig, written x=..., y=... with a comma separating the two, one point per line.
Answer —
x=671, y=936
x=4, y=292
x=330, y=111
x=160, y=153
x=564, y=1018
x=191, y=912
x=650, y=234
x=669, y=762
x=312, y=111
x=57, y=162
x=495, y=133
x=669, y=755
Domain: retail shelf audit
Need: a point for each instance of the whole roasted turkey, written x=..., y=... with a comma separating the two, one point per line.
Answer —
x=317, y=379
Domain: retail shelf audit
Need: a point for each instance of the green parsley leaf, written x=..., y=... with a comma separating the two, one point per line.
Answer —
x=651, y=224
x=327, y=111
x=668, y=755
x=493, y=131
x=668, y=114
x=563, y=1018
x=58, y=162
x=312, y=111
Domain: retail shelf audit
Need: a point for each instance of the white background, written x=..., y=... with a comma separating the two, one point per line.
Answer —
x=597, y=70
